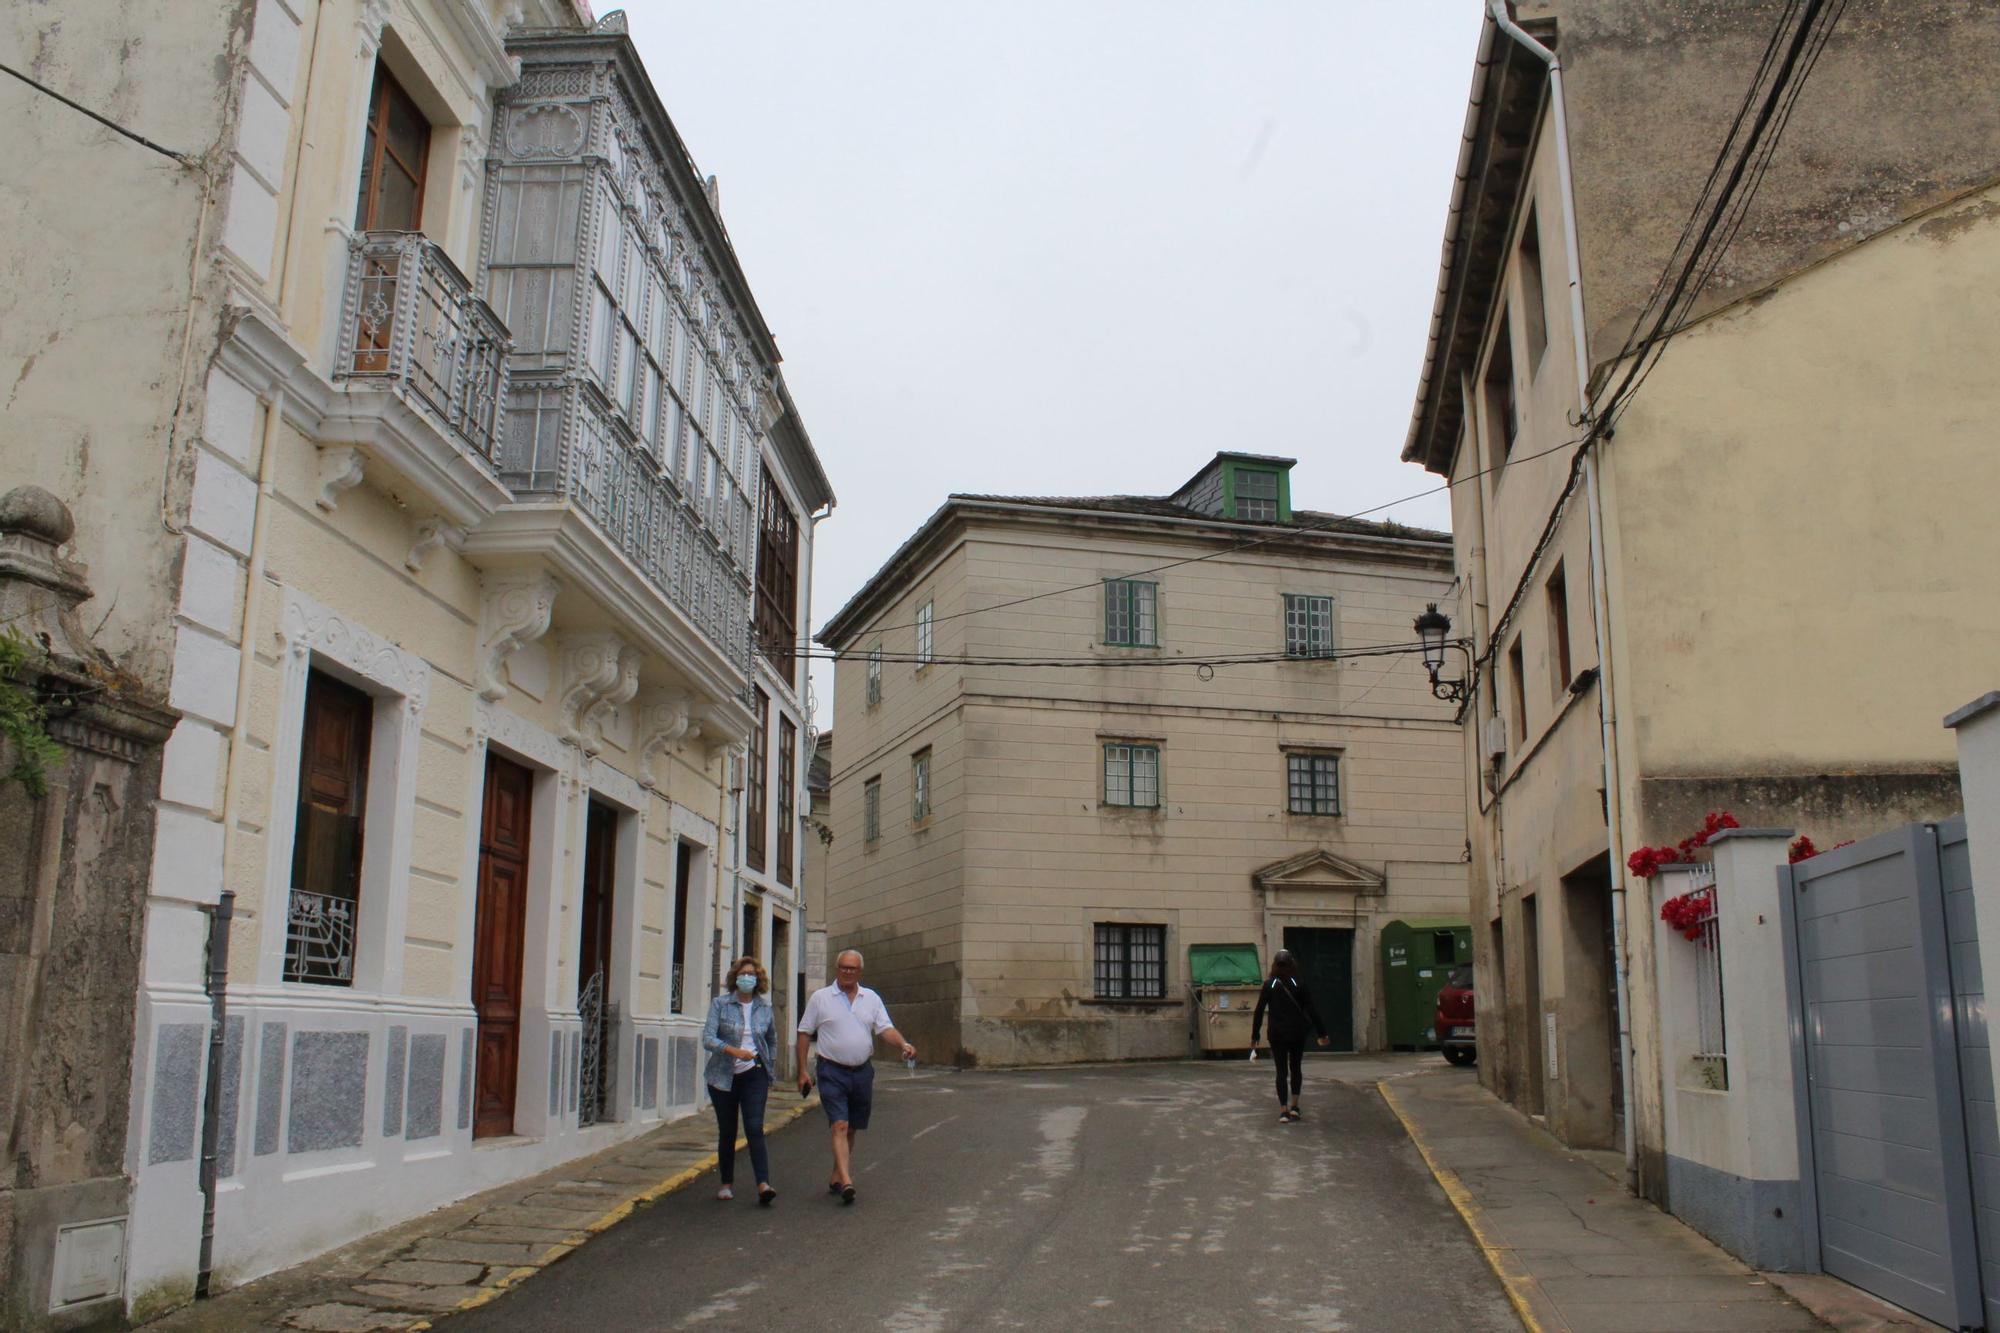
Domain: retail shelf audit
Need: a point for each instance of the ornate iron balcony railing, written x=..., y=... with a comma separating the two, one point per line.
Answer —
x=410, y=320
x=319, y=939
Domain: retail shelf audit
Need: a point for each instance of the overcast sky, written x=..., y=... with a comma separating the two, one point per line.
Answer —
x=1075, y=247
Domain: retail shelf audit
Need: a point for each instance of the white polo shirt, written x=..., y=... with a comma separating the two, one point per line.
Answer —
x=845, y=1030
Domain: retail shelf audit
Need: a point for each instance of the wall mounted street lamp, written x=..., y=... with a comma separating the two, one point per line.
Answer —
x=1434, y=632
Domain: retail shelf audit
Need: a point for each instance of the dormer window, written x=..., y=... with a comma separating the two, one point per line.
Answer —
x=392, y=159
x=1257, y=494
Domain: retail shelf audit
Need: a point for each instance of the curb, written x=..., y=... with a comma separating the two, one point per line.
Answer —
x=1523, y=1292
x=652, y=1193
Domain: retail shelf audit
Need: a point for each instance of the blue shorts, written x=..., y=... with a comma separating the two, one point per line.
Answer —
x=847, y=1093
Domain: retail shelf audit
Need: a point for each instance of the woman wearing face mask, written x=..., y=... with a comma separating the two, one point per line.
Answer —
x=741, y=1045
x=1291, y=1009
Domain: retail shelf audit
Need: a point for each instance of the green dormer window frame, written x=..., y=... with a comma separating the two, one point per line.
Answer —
x=1250, y=490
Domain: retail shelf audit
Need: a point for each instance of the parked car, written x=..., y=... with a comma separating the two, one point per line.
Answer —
x=1454, y=1023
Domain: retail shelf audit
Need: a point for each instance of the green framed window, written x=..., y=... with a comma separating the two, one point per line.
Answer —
x=1132, y=775
x=871, y=810
x=926, y=615
x=1313, y=782
x=1257, y=494
x=1308, y=626
x=1131, y=613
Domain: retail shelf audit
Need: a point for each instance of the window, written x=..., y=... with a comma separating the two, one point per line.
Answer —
x=920, y=785
x=1308, y=626
x=871, y=810
x=1559, y=630
x=1131, y=613
x=394, y=149
x=1132, y=775
x=788, y=830
x=777, y=582
x=1131, y=962
x=1517, y=682
x=754, y=782
x=1257, y=494
x=326, y=840
x=1500, y=423
x=1534, y=304
x=1313, y=784
x=924, y=618
x=875, y=675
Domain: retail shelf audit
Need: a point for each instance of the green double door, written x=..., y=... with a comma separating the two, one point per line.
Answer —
x=1325, y=960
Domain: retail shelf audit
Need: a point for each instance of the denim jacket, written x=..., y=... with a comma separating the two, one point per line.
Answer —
x=725, y=1028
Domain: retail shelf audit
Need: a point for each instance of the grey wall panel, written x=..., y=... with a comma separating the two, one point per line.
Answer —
x=329, y=1091
x=270, y=1086
x=555, y=1074
x=570, y=1075
x=687, y=1078
x=392, y=1082
x=650, y=1068
x=427, y=1054
x=231, y=1101
x=177, y=1079
x=465, y=1042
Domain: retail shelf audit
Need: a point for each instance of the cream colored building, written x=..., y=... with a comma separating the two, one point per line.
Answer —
x=434, y=461
x=1763, y=590
x=1079, y=736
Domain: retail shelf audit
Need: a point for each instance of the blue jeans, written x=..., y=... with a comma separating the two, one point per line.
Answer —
x=746, y=1098
x=847, y=1092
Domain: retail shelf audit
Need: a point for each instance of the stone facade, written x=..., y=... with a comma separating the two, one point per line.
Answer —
x=981, y=916
x=493, y=470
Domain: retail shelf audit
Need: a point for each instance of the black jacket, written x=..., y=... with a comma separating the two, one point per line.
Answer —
x=1291, y=1007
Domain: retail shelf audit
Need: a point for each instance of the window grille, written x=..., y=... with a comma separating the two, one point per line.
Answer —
x=924, y=619
x=1131, y=613
x=1131, y=962
x=871, y=810
x=920, y=785
x=1308, y=626
x=1712, y=1045
x=1132, y=775
x=1314, y=784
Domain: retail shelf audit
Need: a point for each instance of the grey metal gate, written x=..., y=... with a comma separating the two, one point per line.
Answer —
x=1877, y=1036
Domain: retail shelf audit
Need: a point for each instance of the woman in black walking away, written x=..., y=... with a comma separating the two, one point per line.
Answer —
x=1291, y=1007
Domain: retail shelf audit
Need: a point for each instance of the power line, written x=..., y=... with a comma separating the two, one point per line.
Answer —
x=105, y=121
x=1135, y=662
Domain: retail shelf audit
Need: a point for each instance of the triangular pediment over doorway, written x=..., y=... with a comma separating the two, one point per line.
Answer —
x=1320, y=870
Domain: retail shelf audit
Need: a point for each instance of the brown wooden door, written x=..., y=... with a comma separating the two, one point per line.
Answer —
x=600, y=861
x=499, y=931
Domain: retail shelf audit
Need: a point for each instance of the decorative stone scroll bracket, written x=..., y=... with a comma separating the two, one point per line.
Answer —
x=514, y=610
x=600, y=671
x=340, y=469
x=433, y=534
x=663, y=721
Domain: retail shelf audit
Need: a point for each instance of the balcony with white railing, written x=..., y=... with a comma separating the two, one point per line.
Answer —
x=411, y=324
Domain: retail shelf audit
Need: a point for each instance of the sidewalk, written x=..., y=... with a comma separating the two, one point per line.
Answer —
x=1572, y=1247
x=468, y=1253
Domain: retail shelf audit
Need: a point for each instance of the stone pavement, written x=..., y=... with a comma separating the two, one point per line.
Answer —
x=1574, y=1249
x=470, y=1252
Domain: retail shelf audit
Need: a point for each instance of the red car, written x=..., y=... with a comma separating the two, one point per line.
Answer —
x=1454, y=1023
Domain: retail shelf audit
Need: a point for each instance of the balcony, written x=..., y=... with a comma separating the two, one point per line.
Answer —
x=411, y=324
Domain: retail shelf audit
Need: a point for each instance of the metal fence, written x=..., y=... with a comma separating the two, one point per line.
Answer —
x=1712, y=1049
x=319, y=939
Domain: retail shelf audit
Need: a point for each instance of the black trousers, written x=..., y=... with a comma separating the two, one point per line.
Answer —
x=1288, y=1059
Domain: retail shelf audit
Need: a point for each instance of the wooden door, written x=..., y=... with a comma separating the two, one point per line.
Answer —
x=600, y=862
x=499, y=931
x=1325, y=961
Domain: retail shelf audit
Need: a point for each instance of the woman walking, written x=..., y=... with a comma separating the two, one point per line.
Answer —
x=1291, y=1008
x=742, y=1046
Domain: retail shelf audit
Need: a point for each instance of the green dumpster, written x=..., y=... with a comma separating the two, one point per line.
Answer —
x=1418, y=954
x=1225, y=979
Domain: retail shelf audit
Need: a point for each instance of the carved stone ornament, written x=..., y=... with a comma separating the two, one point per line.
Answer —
x=663, y=720
x=305, y=627
x=433, y=534
x=546, y=129
x=340, y=469
x=471, y=155
x=370, y=22
x=614, y=22
x=514, y=609
x=599, y=669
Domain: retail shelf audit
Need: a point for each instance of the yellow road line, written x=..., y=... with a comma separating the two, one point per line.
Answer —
x=618, y=1214
x=1515, y=1280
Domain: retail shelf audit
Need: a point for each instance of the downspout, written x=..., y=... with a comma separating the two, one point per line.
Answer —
x=1607, y=710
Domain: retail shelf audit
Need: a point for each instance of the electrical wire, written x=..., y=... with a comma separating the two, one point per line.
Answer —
x=105, y=121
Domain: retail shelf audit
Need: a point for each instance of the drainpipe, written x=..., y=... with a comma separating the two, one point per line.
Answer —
x=1607, y=710
x=211, y=1121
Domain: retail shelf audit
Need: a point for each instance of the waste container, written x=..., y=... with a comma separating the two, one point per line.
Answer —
x=1225, y=979
x=1418, y=954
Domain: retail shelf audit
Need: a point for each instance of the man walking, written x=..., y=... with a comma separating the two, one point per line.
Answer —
x=846, y=1018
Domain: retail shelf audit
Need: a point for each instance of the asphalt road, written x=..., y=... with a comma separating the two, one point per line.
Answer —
x=1163, y=1196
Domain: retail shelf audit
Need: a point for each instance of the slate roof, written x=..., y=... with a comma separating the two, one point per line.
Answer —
x=1153, y=506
